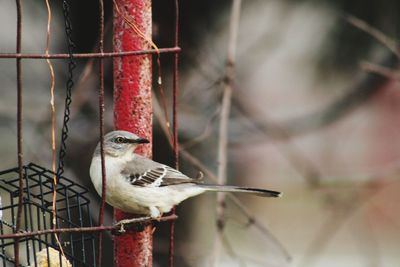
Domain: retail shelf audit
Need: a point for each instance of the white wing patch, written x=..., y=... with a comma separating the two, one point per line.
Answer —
x=150, y=178
x=158, y=177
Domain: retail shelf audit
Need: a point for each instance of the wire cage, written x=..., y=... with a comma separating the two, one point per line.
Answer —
x=72, y=211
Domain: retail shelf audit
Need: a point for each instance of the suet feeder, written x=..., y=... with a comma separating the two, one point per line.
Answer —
x=72, y=212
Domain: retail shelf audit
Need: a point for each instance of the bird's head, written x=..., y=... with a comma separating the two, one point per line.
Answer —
x=118, y=143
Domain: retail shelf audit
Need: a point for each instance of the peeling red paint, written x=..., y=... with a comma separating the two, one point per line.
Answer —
x=133, y=112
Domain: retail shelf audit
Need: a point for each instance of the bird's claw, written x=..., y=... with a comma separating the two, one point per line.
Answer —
x=121, y=223
x=121, y=228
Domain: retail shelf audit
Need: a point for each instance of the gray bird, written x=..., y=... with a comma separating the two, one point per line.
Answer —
x=139, y=185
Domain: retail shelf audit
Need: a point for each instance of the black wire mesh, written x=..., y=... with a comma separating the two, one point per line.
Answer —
x=72, y=211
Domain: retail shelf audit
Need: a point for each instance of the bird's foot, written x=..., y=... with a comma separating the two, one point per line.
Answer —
x=121, y=228
x=121, y=224
x=158, y=219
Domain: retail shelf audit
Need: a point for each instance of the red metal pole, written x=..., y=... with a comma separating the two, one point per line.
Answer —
x=133, y=112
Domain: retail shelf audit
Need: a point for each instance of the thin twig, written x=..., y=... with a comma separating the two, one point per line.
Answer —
x=222, y=158
x=333, y=223
x=135, y=28
x=252, y=220
x=382, y=70
x=53, y=127
x=231, y=251
x=374, y=32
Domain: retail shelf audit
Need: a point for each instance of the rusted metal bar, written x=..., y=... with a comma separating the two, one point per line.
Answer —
x=101, y=130
x=175, y=85
x=137, y=52
x=133, y=111
x=19, y=130
x=81, y=229
x=175, y=93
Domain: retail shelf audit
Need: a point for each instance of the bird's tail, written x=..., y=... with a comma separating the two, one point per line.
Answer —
x=236, y=189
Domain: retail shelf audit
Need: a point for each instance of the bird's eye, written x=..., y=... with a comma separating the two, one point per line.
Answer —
x=119, y=140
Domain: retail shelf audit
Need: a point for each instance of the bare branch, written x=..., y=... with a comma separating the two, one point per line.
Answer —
x=231, y=251
x=375, y=33
x=382, y=70
x=222, y=159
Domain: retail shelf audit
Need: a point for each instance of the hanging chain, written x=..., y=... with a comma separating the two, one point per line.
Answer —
x=69, y=85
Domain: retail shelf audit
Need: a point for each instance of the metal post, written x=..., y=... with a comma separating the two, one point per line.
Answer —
x=133, y=111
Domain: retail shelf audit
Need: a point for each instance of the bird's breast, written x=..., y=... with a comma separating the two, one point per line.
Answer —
x=112, y=168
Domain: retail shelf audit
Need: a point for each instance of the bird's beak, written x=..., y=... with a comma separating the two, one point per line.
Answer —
x=142, y=141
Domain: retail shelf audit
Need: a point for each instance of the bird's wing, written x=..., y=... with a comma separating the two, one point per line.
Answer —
x=144, y=172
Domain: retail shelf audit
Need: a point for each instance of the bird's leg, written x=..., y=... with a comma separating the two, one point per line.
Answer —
x=158, y=219
x=123, y=222
x=155, y=213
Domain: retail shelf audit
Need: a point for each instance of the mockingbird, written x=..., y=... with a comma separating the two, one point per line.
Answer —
x=136, y=184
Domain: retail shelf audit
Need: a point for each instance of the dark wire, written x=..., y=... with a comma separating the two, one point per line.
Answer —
x=69, y=85
x=19, y=132
x=175, y=125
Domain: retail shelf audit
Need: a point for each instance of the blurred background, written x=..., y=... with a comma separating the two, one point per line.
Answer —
x=315, y=104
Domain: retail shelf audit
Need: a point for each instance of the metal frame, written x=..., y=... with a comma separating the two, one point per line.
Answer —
x=19, y=208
